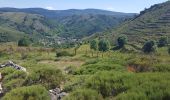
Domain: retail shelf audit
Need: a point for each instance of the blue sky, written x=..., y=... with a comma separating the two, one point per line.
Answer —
x=131, y=6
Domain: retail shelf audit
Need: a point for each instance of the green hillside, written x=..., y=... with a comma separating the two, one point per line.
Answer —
x=45, y=24
x=85, y=25
x=8, y=34
x=27, y=23
x=151, y=23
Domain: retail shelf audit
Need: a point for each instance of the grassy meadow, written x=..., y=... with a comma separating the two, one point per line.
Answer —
x=88, y=75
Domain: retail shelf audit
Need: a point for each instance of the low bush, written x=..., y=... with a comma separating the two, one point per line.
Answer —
x=84, y=94
x=63, y=53
x=100, y=66
x=15, y=75
x=24, y=42
x=148, y=86
x=7, y=71
x=108, y=83
x=162, y=68
x=149, y=90
x=91, y=61
x=48, y=77
x=163, y=41
x=36, y=92
x=12, y=78
x=13, y=84
x=3, y=54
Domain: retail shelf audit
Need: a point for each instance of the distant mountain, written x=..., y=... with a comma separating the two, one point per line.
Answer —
x=73, y=23
x=150, y=24
x=70, y=12
x=14, y=25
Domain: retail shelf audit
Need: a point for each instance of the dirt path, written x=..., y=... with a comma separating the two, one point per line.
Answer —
x=63, y=64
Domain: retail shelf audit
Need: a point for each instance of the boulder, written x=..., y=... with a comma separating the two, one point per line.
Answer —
x=13, y=65
x=57, y=94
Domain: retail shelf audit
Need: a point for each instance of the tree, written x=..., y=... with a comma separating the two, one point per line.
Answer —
x=149, y=47
x=24, y=42
x=169, y=50
x=77, y=46
x=121, y=40
x=94, y=45
x=163, y=41
x=104, y=45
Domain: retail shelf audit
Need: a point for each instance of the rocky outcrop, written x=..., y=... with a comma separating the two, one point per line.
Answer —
x=13, y=65
x=57, y=94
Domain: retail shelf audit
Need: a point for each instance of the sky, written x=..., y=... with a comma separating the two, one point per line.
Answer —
x=128, y=6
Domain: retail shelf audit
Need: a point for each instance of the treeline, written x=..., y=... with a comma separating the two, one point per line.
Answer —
x=150, y=46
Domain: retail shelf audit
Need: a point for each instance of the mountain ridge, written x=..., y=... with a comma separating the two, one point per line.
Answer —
x=152, y=23
x=66, y=23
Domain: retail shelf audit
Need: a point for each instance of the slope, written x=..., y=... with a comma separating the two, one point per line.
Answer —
x=152, y=23
x=71, y=23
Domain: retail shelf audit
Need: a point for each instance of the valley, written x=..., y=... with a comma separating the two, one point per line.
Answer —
x=47, y=26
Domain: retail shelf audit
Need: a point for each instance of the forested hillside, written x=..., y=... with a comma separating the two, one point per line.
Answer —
x=37, y=22
x=151, y=23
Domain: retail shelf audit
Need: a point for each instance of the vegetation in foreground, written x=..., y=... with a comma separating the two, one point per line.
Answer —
x=91, y=74
x=135, y=67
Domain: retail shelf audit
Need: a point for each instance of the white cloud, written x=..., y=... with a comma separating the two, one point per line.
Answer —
x=110, y=8
x=50, y=8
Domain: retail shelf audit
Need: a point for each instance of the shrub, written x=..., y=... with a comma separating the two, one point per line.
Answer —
x=91, y=61
x=150, y=90
x=162, y=68
x=36, y=92
x=16, y=74
x=48, y=77
x=163, y=41
x=108, y=83
x=14, y=83
x=123, y=86
x=12, y=78
x=149, y=47
x=93, y=68
x=84, y=94
x=3, y=53
x=141, y=64
x=7, y=71
x=121, y=41
x=24, y=42
x=101, y=65
x=63, y=53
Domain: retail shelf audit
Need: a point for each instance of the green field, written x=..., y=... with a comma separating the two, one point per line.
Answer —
x=112, y=75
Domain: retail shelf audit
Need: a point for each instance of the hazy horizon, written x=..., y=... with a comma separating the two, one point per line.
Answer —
x=129, y=6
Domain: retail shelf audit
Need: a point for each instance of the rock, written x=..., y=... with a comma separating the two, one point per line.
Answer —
x=57, y=94
x=62, y=94
x=13, y=65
